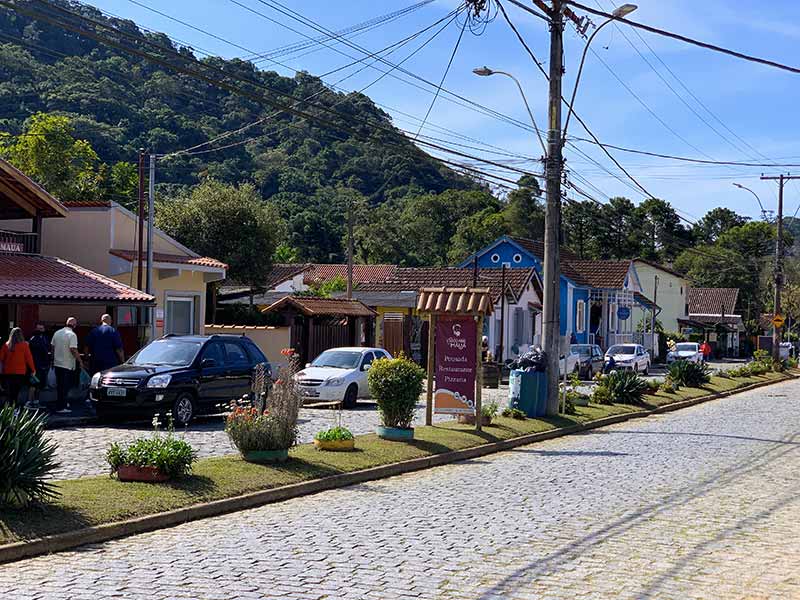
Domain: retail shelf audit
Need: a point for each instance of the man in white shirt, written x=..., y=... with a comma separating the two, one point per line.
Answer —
x=65, y=359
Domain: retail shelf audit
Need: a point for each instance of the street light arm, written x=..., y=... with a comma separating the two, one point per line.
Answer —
x=761, y=206
x=527, y=107
x=578, y=76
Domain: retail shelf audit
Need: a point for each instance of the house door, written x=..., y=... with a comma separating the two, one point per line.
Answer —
x=180, y=315
x=393, y=338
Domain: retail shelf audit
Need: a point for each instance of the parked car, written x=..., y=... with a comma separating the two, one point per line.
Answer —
x=339, y=375
x=186, y=375
x=685, y=351
x=630, y=356
x=569, y=363
x=590, y=359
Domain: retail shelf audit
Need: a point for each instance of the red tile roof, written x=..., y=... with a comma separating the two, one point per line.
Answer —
x=536, y=247
x=315, y=306
x=88, y=203
x=35, y=277
x=200, y=261
x=18, y=183
x=712, y=301
x=361, y=273
x=605, y=274
x=455, y=301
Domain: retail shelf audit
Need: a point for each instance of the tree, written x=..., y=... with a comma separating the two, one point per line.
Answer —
x=229, y=223
x=579, y=225
x=49, y=154
x=661, y=233
x=715, y=223
x=524, y=212
x=618, y=230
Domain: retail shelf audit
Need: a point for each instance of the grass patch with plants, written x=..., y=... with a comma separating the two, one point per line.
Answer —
x=96, y=500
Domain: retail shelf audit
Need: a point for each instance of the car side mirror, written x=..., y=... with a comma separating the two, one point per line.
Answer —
x=208, y=363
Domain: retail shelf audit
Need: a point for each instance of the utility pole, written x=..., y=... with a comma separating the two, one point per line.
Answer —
x=350, y=247
x=140, y=246
x=653, y=316
x=150, y=215
x=551, y=330
x=776, y=331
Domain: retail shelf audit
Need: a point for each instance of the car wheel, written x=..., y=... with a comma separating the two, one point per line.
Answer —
x=646, y=371
x=350, y=396
x=589, y=373
x=183, y=409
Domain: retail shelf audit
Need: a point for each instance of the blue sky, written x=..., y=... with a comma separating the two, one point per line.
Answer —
x=752, y=107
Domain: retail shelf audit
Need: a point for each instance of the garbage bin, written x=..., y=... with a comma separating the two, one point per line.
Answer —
x=527, y=391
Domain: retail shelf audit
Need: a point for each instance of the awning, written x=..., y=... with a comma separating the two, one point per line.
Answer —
x=455, y=301
x=50, y=280
x=313, y=306
x=173, y=260
x=708, y=324
x=644, y=301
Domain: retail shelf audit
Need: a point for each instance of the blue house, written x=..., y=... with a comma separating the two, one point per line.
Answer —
x=596, y=296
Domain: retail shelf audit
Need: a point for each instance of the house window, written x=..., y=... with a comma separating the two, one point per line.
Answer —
x=518, y=258
x=180, y=315
x=495, y=258
x=580, y=317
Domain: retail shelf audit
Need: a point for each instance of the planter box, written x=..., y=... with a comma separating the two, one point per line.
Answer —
x=470, y=420
x=146, y=474
x=395, y=434
x=266, y=456
x=335, y=445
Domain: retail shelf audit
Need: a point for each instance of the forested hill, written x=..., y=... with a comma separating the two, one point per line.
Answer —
x=119, y=102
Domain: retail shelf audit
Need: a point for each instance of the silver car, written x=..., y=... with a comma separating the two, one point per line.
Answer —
x=630, y=356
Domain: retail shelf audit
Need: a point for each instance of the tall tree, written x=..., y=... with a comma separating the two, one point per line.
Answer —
x=716, y=222
x=524, y=212
x=662, y=235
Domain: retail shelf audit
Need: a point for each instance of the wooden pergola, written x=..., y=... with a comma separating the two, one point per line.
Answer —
x=439, y=302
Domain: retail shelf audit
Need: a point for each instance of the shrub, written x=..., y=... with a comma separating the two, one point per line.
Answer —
x=762, y=357
x=489, y=411
x=514, y=413
x=602, y=395
x=653, y=385
x=334, y=434
x=625, y=387
x=27, y=457
x=170, y=455
x=396, y=384
x=689, y=374
x=791, y=363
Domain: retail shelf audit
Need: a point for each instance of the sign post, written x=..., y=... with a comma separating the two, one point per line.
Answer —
x=778, y=321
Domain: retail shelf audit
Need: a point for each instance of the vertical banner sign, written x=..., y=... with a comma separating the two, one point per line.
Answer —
x=456, y=340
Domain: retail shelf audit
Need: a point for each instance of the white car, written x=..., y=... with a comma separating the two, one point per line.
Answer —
x=630, y=356
x=569, y=363
x=689, y=351
x=338, y=375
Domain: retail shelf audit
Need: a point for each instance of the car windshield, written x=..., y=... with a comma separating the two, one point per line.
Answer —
x=622, y=349
x=686, y=347
x=172, y=352
x=582, y=350
x=338, y=359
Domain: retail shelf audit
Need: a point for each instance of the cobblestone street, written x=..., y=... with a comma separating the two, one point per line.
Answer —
x=700, y=503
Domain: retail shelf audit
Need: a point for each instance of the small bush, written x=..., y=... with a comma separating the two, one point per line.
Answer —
x=791, y=363
x=762, y=357
x=625, y=387
x=653, y=385
x=689, y=374
x=602, y=395
x=334, y=434
x=27, y=458
x=514, y=413
x=170, y=455
x=489, y=411
x=396, y=384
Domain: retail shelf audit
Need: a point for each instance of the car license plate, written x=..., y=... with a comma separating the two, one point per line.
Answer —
x=117, y=392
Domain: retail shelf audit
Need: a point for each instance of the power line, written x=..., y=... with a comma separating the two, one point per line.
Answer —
x=688, y=40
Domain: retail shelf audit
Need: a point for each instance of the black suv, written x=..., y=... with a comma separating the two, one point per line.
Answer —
x=186, y=375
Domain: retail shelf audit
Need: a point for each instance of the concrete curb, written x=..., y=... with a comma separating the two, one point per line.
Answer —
x=109, y=531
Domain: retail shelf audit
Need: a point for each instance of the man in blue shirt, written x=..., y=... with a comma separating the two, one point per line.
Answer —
x=105, y=346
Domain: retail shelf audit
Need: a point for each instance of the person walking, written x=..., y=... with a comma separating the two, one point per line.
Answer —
x=17, y=361
x=705, y=350
x=105, y=346
x=65, y=358
x=40, y=349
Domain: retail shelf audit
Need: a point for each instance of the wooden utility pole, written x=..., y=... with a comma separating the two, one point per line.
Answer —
x=350, y=247
x=776, y=331
x=653, y=316
x=140, y=246
x=551, y=328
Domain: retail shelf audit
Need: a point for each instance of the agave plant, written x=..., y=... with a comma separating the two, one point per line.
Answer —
x=689, y=374
x=26, y=458
x=625, y=387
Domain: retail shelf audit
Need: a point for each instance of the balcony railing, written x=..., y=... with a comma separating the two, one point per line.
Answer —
x=18, y=242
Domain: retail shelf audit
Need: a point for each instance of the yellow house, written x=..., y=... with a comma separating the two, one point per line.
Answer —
x=102, y=235
x=667, y=288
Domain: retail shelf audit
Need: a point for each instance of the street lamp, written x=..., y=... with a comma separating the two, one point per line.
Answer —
x=764, y=213
x=486, y=72
x=618, y=13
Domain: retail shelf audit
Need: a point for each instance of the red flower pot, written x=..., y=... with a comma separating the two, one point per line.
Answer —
x=146, y=474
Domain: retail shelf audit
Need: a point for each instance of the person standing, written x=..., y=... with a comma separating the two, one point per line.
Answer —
x=17, y=361
x=65, y=358
x=705, y=350
x=40, y=349
x=105, y=346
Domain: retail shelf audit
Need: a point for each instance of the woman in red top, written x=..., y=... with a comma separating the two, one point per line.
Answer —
x=17, y=360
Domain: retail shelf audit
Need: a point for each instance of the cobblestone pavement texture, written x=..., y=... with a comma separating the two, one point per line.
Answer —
x=700, y=503
x=81, y=450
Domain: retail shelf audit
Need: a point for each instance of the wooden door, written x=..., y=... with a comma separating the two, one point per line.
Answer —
x=393, y=333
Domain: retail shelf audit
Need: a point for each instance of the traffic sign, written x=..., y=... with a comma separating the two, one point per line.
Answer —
x=778, y=321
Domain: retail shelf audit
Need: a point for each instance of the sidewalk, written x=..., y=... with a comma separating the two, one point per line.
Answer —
x=82, y=413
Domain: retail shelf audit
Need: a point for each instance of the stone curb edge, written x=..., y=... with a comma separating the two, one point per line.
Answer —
x=109, y=531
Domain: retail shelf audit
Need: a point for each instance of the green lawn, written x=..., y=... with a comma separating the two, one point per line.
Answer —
x=717, y=384
x=96, y=500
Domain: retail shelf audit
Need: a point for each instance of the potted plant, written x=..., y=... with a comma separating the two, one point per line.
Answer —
x=335, y=439
x=265, y=436
x=27, y=458
x=488, y=412
x=395, y=384
x=153, y=459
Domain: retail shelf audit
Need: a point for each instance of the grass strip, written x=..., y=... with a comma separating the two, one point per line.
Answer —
x=93, y=501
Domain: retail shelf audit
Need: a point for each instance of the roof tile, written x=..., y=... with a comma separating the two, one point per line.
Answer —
x=200, y=261
x=712, y=301
x=316, y=306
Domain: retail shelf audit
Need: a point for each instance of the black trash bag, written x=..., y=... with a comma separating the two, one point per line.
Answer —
x=532, y=361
